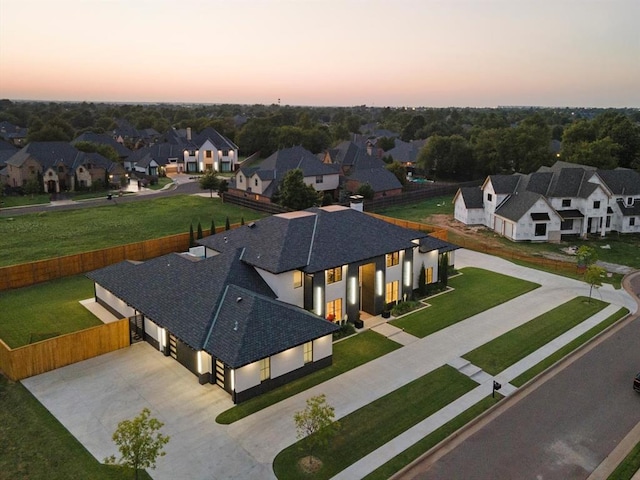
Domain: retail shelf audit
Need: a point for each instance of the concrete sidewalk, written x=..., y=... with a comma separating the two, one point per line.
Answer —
x=90, y=397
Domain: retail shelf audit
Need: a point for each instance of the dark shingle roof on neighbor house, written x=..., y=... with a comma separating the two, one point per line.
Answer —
x=313, y=240
x=380, y=179
x=515, y=206
x=103, y=139
x=46, y=153
x=472, y=197
x=197, y=301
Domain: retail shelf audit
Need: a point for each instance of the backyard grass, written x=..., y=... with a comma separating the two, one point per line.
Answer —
x=403, y=459
x=36, y=446
x=476, y=290
x=38, y=236
x=377, y=423
x=628, y=467
x=567, y=349
x=347, y=354
x=507, y=349
x=421, y=211
x=45, y=310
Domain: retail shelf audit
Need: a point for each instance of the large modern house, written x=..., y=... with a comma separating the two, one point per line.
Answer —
x=565, y=199
x=255, y=307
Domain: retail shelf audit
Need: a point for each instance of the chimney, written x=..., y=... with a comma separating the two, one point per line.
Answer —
x=188, y=134
x=355, y=202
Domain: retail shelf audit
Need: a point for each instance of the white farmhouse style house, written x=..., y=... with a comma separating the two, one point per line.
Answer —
x=565, y=199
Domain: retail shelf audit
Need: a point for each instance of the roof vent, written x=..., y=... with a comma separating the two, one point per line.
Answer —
x=239, y=299
x=235, y=326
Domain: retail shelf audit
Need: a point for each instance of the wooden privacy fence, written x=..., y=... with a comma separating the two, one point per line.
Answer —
x=432, y=230
x=25, y=274
x=47, y=355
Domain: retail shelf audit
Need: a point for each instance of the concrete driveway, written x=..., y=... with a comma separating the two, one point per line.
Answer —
x=90, y=398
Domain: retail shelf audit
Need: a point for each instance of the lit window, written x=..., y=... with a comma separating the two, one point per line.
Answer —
x=334, y=275
x=308, y=352
x=429, y=275
x=334, y=309
x=393, y=259
x=297, y=279
x=392, y=292
x=265, y=369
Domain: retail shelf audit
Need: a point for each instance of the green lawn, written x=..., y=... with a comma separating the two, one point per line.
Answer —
x=20, y=200
x=45, y=310
x=476, y=290
x=378, y=422
x=388, y=469
x=507, y=349
x=629, y=466
x=36, y=446
x=421, y=211
x=347, y=354
x=567, y=349
x=26, y=238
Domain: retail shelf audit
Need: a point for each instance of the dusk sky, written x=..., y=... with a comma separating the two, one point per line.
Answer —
x=434, y=53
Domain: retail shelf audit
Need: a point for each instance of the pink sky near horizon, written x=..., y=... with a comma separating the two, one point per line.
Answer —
x=333, y=52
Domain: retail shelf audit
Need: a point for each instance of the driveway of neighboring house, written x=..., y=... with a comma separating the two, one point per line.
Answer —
x=90, y=398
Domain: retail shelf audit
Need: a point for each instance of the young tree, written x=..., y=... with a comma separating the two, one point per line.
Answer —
x=444, y=270
x=32, y=187
x=241, y=220
x=210, y=182
x=316, y=423
x=593, y=276
x=213, y=228
x=227, y=224
x=139, y=441
x=422, y=280
x=199, y=234
x=586, y=256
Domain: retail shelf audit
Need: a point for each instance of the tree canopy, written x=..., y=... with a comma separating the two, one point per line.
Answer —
x=293, y=193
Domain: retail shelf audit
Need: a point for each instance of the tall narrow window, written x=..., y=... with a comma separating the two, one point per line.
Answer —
x=429, y=275
x=297, y=279
x=334, y=309
x=308, y=352
x=265, y=369
x=392, y=292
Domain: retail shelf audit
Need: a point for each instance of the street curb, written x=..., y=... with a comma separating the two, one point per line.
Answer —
x=439, y=450
x=611, y=462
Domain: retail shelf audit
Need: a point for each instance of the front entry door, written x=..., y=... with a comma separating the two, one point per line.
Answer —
x=367, y=274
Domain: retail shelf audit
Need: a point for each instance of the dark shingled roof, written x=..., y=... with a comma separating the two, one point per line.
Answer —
x=515, y=206
x=629, y=211
x=220, y=141
x=472, y=197
x=46, y=153
x=428, y=244
x=103, y=139
x=313, y=240
x=379, y=178
x=160, y=152
x=621, y=181
x=567, y=214
x=249, y=327
x=219, y=305
x=504, y=183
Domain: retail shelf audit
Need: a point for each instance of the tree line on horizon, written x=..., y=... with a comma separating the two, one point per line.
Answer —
x=462, y=143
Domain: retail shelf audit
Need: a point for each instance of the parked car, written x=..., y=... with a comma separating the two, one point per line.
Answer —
x=636, y=383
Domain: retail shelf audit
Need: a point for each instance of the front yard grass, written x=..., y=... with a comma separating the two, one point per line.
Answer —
x=476, y=290
x=36, y=446
x=347, y=354
x=502, y=352
x=377, y=423
x=628, y=467
x=38, y=236
x=45, y=310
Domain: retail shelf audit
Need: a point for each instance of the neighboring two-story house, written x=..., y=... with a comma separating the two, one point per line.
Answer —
x=261, y=181
x=61, y=166
x=565, y=199
x=257, y=309
x=208, y=150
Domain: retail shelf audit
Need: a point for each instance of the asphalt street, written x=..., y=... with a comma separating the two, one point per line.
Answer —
x=563, y=429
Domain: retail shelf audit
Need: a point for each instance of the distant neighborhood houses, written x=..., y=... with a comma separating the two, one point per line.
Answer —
x=564, y=199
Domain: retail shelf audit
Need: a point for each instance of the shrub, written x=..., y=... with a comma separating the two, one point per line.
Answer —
x=346, y=329
x=404, y=307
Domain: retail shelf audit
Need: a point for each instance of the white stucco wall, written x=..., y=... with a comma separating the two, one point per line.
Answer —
x=247, y=377
x=287, y=361
x=152, y=330
x=430, y=260
x=282, y=286
x=322, y=347
x=114, y=302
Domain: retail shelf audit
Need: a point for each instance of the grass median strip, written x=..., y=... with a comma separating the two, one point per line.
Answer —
x=347, y=354
x=45, y=310
x=477, y=290
x=502, y=352
x=567, y=349
x=36, y=446
x=375, y=424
